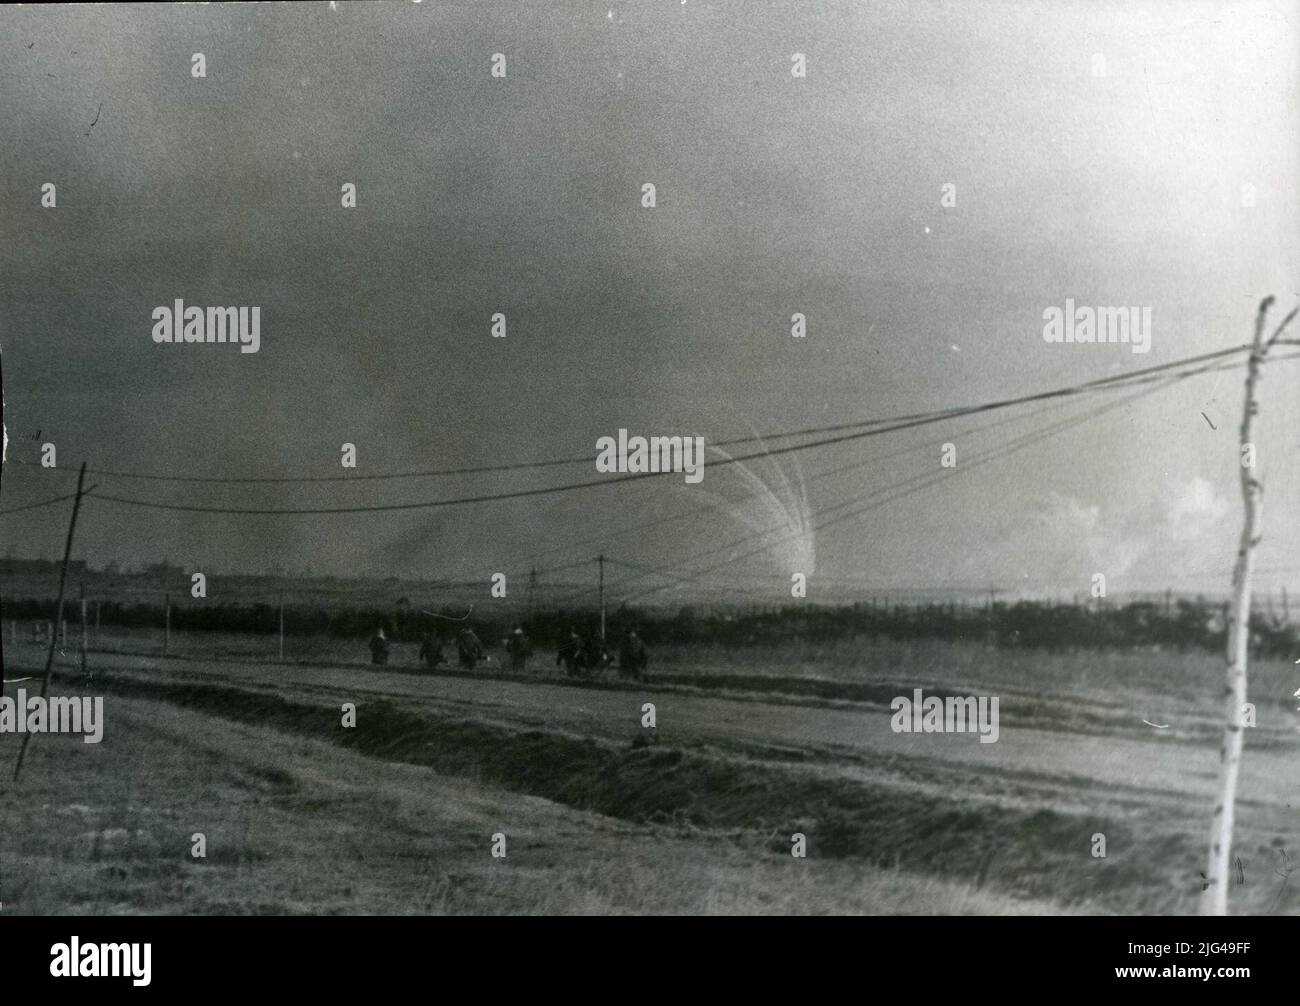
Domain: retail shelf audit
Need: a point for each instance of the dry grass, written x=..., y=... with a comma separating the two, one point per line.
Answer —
x=691, y=826
x=296, y=825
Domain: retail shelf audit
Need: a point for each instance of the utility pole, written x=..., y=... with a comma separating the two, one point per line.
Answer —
x=531, y=594
x=83, y=628
x=1214, y=895
x=282, y=625
x=63, y=576
x=167, y=627
x=600, y=559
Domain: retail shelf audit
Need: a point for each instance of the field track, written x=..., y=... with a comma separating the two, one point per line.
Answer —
x=729, y=757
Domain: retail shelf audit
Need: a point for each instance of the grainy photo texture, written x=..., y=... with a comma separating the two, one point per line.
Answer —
x=638, y=458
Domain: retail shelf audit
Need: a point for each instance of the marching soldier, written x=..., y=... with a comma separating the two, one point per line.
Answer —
x=431, y=650
x=519, y=650
x=379, y=647
x=632, y=656
x=597, y=658
x=571, y=654
x=469, y=649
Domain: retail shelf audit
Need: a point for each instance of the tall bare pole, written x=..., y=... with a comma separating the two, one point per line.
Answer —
x=282, y=625
x=13, y=630
x=83, y=628
x=63, y=576
x=167, y=626
x=600, y=559
x=1214, y=896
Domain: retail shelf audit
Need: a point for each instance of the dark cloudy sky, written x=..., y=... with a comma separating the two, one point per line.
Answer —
x=775, y=195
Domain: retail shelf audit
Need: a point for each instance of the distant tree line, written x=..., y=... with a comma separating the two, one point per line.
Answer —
x=1044, y=625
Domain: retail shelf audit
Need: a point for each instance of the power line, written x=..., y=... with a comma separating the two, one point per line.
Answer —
x=626, y=529
x=925, y=482
x=48, y=502
x=475, y=469
x=585, y=540
x=917, y=417
x=916, y=482
x=1119, y=380
x=34, y=506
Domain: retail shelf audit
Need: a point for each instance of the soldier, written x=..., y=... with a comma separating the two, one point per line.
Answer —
x=597, y=658
x=379, y=647
x=518, y=648
x=632, y=657
x=469, y=649
x=431, y=650
x=571, y=654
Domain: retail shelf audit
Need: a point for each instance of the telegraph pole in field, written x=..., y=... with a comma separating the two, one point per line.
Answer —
x=58, y=615
x=600, y=560
x=83, y=628
x=1214, y=895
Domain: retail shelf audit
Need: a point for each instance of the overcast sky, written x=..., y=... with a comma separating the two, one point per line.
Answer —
x=775, y=195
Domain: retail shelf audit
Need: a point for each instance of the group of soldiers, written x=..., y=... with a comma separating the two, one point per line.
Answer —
x=579, y=657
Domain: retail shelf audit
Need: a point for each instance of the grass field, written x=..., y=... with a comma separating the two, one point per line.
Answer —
x=397, y=814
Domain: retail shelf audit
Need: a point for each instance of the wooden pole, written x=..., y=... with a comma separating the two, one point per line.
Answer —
x=600, y=559
x=3, y=447
x=96, y=623
x=282, y=625
x=63, y=576
x=167, y=626
x=1214, y=896
x=83, y=628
